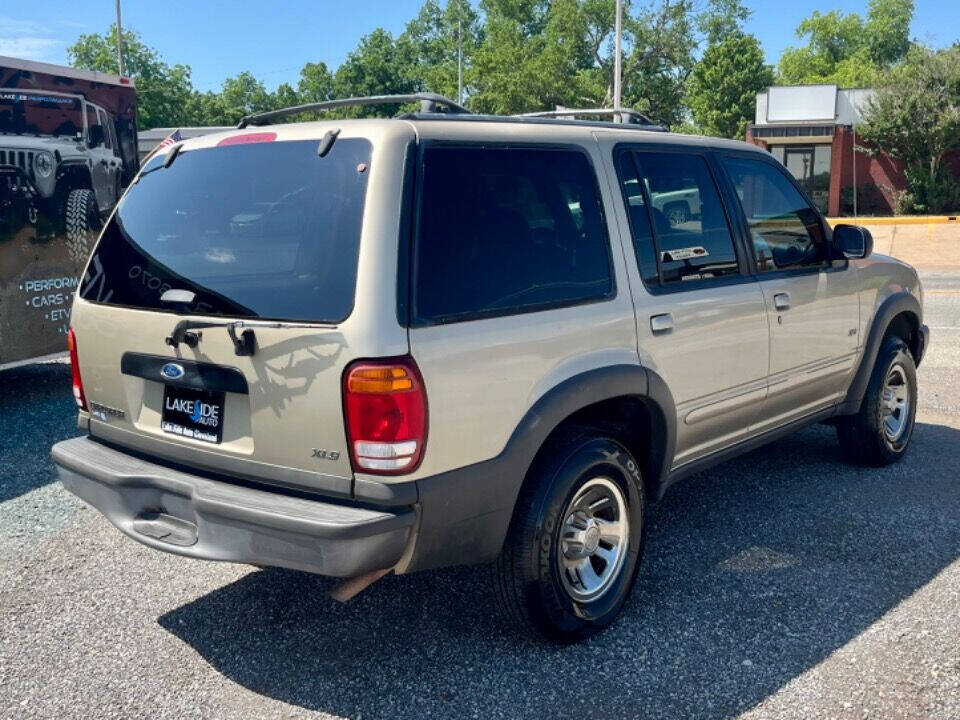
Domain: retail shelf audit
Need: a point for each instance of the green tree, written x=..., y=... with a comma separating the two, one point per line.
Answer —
x=538, y=54
x=243, y=95
x=720, y=19
x=432, y=39
x=725, y=83
x=205, y=109
x=284, y=96
x=888, y=31
x=316, y=83
x=379, y=66
x=915, y=118
x=163, y=92
x=847, y=50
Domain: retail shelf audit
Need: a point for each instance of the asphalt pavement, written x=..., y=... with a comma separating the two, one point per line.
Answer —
x=782, y=584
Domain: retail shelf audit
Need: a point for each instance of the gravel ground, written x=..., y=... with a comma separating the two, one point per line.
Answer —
x=780, y=584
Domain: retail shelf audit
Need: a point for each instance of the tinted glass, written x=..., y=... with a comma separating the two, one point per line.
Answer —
x=39, y=114
x=265, y=230
x=640, y=229
x=506, y=230
x=107, y=140
x=691, y=229
x=786, y=231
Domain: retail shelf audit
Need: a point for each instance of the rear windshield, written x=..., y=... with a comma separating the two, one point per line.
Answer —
x=268, y=230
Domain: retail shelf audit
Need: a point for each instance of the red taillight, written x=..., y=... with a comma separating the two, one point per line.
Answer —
x=385, y=406
x=75, y=371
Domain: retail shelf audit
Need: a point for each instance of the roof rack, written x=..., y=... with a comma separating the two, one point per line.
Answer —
x=620, y=115
x=429, y=103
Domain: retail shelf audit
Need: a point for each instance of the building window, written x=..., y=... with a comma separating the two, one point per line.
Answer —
x=810, y=165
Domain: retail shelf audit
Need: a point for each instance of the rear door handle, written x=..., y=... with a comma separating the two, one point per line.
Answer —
x=661, y=323
x=781, y=301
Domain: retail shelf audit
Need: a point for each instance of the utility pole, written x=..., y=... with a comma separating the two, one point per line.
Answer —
x=617, y=42
x=459, y=53
x=120, y=41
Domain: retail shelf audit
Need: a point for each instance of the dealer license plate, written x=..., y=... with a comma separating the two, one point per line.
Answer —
x=196, y=414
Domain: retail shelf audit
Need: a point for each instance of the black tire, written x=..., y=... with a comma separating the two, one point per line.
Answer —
x=866, y=438
x=531, y=590
x=82, y=221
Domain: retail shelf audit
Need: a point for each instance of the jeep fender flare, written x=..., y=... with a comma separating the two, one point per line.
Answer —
x=70, y=170
x=465, y=513
x=896, y=304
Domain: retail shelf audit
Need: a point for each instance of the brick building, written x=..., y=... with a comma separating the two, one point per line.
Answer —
x=811, y=129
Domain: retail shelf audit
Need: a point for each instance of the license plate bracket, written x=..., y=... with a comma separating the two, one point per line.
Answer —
x=193, y=413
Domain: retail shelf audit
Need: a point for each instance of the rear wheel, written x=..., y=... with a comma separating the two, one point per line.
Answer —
x=82, y=223
x=575, y=542
x=880, y=432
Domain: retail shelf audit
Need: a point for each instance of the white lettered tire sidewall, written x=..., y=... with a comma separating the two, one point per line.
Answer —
x=591, y=457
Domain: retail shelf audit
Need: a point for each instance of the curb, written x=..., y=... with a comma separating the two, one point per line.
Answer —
x=897, y=220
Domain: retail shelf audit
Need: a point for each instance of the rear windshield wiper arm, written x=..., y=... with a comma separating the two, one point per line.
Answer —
x=243, y=344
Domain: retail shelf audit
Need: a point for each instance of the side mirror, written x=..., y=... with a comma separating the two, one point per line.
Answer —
x=852, y=241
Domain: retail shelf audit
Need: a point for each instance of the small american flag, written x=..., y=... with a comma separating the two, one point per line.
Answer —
x=172, y=138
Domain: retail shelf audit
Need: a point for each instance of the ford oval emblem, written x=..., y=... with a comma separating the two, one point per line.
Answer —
x=172, y=371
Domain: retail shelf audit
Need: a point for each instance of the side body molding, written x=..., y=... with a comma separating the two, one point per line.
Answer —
x=465, y=513
x=895, y=304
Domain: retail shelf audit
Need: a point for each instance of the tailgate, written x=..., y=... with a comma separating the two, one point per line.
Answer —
x=275, y=416
x=252, y=229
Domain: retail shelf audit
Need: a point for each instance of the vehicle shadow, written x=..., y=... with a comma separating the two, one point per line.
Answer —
x=755, y=571
x=36, y=410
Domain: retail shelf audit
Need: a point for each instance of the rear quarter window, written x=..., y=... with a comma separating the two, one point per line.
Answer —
x=508, y=230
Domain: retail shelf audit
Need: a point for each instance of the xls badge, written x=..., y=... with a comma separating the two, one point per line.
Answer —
x=322, y=454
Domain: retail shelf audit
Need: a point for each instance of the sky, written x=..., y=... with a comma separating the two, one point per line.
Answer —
x=274, y=38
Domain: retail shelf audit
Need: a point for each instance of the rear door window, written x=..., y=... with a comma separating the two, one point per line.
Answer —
x=507, y=230
x=676, y=214
x=268, y=230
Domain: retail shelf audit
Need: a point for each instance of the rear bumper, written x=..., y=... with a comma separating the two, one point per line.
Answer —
x=198, y=517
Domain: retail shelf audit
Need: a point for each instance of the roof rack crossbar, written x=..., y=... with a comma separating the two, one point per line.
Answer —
x=429, y=103
x=621, y=115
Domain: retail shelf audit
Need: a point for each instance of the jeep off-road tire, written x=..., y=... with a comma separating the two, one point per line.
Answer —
x=575, y=541
x=879, y=434
x=82, y=223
